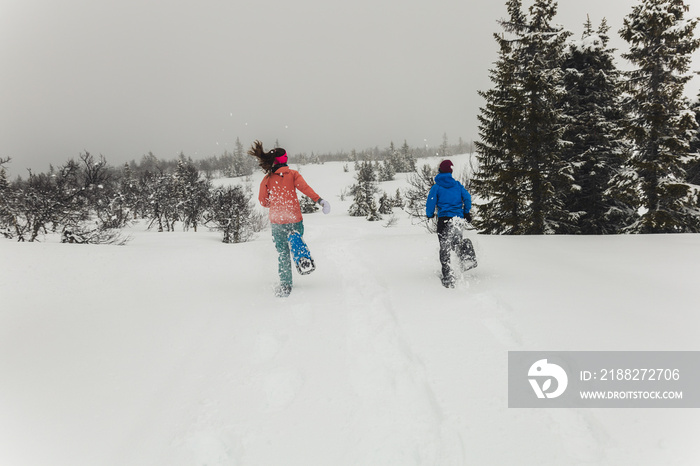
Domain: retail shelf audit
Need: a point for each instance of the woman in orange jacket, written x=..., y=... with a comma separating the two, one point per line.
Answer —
x=278, y=193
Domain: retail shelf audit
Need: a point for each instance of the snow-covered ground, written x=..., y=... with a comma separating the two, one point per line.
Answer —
x=173, y=350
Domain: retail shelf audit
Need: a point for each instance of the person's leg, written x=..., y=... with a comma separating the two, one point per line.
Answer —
x=300, y=251
x=284, y=262
x=298, y=227
x=467, y=255
x=443, y=231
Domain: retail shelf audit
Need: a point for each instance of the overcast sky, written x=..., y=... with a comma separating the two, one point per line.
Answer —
x=125, y=77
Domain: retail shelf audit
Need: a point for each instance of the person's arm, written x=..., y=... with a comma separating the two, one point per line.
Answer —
x=431, y=202
x=264, y=195
x=303, y=186
x=467, y=202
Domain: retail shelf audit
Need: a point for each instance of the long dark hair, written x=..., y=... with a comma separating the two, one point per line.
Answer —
x=266, y=160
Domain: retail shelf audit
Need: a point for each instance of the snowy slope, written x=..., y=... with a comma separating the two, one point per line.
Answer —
x=173, y=351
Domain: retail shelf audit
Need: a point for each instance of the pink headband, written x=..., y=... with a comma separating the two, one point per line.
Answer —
x=281, y=159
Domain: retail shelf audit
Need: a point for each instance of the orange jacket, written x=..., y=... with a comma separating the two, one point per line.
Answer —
x=278, y=192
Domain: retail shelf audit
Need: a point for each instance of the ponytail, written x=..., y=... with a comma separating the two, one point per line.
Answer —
x=266, y=160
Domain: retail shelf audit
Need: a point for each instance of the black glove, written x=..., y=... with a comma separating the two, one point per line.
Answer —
x=468, y=217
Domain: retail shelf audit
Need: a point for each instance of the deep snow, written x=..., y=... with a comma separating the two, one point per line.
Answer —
x=173, y=350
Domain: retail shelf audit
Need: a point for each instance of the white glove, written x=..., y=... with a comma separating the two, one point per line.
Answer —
x=326, y=206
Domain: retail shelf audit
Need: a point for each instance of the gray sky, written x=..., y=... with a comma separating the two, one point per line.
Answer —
x=125, y=77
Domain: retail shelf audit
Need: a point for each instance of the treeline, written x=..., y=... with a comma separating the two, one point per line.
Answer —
x=88, y=201
x=226, y=165
x=570, y=144
x=239, y=163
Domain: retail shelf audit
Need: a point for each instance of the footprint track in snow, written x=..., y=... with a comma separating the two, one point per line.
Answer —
x=389, y=379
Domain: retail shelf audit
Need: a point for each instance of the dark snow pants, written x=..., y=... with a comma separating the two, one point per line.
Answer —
x=450, y=238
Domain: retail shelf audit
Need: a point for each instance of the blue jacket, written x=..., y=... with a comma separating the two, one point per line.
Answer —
x=449, y=196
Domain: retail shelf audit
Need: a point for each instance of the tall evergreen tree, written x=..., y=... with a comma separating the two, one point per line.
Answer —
x=661, y=44
x=499, y=177
x=524, y=112
x=594, y=120
x=693, y=170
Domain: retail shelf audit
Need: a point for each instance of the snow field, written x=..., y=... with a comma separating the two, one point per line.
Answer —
x=173, y=350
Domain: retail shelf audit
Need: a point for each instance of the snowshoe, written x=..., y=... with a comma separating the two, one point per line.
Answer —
x=305, y=265
x=448, y=282
x=468, y=264
x=301, y=254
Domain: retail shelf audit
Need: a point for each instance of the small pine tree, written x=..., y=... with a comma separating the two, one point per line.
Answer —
x=386, y=171
x=386, y=204
x=408, y=158
x=398, y=199
x=308, y=206
x=364, y=204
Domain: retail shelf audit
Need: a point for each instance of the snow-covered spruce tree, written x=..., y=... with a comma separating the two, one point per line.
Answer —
x=547, y=175
x=597, y=150
x=386, y=204
x=521, y=173
x=232, y=211
x=385, y=171
x=661, y=45
x=398, y=200
x=693, y=166
x=499, y=176
x=364, y=204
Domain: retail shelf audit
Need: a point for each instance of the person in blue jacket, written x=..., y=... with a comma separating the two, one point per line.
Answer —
x=452, y=200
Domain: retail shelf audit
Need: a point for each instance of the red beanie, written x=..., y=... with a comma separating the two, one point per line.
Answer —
x=445, y=166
